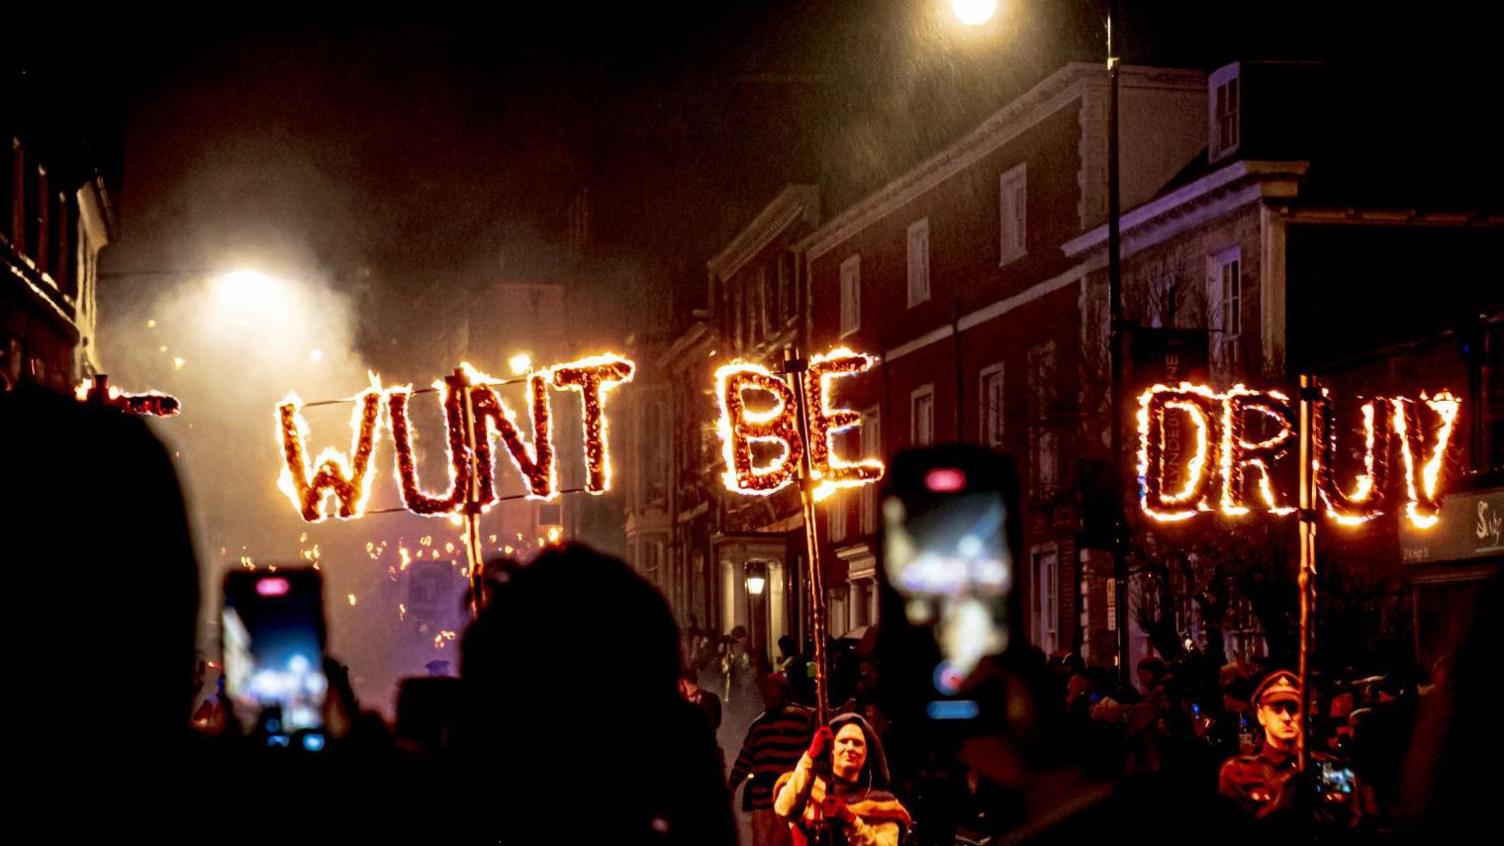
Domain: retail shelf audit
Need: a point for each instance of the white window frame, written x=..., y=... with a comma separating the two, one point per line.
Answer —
x=836, y=517
x=925, y=391
x=918, y=239
x=851, y=295
x=1224, y=303
x=872, y=447
x=985, y=404
x=1046, y=598
x=1225, y=78
x=1013, y=216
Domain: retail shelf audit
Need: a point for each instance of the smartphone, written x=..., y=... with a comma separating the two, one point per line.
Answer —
x=947, y=575
x=1334, y=779
x=272, y=635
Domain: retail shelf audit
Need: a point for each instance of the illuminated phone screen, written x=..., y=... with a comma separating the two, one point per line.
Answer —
x=273, y=641
x=946, y=553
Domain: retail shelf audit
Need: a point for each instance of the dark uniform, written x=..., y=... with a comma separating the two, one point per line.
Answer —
x=1269, y=781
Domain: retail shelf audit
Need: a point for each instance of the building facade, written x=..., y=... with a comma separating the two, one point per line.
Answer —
x=55, y=220
x=954, y=274
x=1281, y=250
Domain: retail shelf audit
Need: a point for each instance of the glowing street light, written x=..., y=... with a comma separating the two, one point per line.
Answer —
x=974, y=12
x=757, y=577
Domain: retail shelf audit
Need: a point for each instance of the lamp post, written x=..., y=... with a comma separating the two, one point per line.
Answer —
x=756, y=573
x=976, y=13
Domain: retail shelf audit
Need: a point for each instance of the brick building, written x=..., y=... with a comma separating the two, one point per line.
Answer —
x=953, y=272
x=1299, y=242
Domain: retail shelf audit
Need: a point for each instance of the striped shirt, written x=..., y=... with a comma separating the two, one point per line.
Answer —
x=774, y=743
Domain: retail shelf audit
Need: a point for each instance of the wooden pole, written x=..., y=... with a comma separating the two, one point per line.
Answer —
x=794, y=370
x=460, y=382
x=1309, y=393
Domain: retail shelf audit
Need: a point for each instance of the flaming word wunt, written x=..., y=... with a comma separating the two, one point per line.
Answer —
x=345, y=477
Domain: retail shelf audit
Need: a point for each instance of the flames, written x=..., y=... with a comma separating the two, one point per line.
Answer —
x=1221, y=417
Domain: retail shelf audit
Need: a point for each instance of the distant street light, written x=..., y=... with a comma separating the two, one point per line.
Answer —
x=757, y=577
x=974, y=12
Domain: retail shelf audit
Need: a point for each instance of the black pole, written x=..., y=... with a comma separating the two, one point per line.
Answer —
x=1115, y=356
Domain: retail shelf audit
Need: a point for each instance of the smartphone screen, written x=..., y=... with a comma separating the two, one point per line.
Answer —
x=272, y=635
x=947, y=571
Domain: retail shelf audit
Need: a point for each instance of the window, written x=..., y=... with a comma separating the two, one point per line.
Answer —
x=655, y=453
x=40, y=241
x=760, y=304
x=919, y=261
x=9, y=158
x=1043, y=413
x=836, y=512
x=1046, y=600
x=872, y=447
x=1224, y=305
x=991, y=396
x=851, y=295
x=786, y=270
x=737, y=315
x=1013, y=211
x=1225, y=119
x=922, y=417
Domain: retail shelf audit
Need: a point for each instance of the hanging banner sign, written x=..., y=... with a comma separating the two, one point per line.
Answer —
x=343, y=479
x=1218, y=461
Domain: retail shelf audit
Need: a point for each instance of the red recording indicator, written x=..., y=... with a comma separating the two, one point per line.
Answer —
x=275, y=586
x=945, y=480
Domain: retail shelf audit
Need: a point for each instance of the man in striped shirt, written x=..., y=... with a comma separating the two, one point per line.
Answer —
x=774, y=743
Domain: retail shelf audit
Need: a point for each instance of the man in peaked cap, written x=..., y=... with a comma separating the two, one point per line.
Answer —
x=1258, y=782
x=1269, y=781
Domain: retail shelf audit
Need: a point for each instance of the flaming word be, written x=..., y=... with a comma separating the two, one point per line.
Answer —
x=346, y=477
x=1218, y=422
x=741, y=427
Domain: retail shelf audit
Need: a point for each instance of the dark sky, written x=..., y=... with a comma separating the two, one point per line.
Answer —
x=411, y=159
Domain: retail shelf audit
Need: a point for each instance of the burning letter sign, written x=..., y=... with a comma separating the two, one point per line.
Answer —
x=741, y=427
x=1221, y=460
x=467, y=398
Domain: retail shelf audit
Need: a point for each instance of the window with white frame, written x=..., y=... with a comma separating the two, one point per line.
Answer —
x=919, y=261
x=991, y=398
x=1013, y=211
x=764, y=303
x=851, y=295
x=836, y=514
x=1043, y=420
x=1226, y=122
x=787, y=267
x=872, y=447
x=1224, y=301
x=922, y=416
x=1046, y=599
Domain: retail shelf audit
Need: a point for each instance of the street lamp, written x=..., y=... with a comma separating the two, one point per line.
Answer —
x=974, y=12
x=756, y=572
x=757, y=577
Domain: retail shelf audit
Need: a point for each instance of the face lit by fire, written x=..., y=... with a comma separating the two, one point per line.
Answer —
x=850, y=752
x=1281, y=722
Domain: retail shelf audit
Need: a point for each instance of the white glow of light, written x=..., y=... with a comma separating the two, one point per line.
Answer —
x=316, y=355
x=520, y=363
x=755, y=585
x=247, y=289
x=974, y=12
